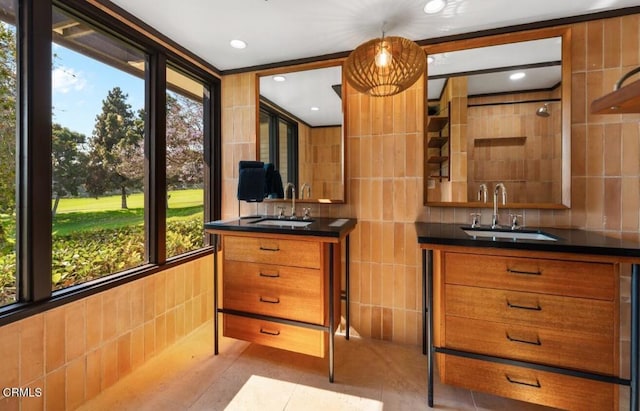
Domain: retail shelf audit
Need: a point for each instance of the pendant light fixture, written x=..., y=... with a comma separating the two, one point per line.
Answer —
x=385, y=66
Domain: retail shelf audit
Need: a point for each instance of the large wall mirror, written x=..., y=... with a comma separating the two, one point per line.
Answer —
x=300, y=129
x=499, y=112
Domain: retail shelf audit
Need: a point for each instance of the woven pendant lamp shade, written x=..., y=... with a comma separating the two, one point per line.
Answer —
x=406, y=65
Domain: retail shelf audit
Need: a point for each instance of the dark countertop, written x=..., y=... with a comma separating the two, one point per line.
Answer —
x=319, y=227
x=568, y=240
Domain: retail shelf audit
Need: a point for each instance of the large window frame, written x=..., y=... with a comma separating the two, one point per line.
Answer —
x=34, y=170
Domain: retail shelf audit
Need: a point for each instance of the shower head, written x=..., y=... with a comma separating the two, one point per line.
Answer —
x=543, y=111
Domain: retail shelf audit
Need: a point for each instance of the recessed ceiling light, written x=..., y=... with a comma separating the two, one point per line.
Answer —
x=238, y=44
x=279, y=79
x=517, y=76
x=314, y=108
x=434, y=6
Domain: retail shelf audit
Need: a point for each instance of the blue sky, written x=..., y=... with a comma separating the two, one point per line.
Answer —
x=81, y=83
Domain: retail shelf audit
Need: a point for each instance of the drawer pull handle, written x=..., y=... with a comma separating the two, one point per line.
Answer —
x=512, y=271
x=269, y=275
x=536, y=342
x=270, y=300
x=524, y=307
x=269, y=249
x=528, y=384
x=269, y=332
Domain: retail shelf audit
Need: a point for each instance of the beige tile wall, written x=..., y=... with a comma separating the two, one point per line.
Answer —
x=384, y=171
x=77, y=350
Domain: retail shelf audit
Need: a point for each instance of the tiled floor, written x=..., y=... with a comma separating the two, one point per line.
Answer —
x=370, y=375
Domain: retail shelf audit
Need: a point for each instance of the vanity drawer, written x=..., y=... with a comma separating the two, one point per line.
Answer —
x=288, y=292
x=536, y=310
x=570, y=278
x=554, y=390
x=283, y=336
x=585, y=352
x=273, y=251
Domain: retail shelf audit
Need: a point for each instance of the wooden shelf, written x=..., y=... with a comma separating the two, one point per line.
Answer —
x=437, y=142
x=624, y=100
x=437, y=123
x=437, y=159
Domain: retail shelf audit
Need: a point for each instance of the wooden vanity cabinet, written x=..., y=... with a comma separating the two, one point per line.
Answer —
x=275, y=291
x=549, y=309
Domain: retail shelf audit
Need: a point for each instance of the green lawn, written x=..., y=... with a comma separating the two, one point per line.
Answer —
x=177, y=199
x=81, y=214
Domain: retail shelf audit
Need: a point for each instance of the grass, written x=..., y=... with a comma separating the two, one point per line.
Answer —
x=85, y=214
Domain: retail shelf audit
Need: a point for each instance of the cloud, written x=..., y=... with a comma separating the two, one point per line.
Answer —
x=66, y=79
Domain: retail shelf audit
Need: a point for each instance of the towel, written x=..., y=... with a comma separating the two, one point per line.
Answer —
x=251, y=181
x=273, y=186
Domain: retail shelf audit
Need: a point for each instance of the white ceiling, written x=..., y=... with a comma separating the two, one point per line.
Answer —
x=282, y=30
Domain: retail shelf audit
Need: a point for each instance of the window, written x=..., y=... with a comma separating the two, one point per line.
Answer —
x=83, y=186
x=98, y=133
x=185, y=163
x=8, y=94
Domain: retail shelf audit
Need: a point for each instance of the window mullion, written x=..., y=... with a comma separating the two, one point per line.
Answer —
x=155, y=156
x=34, y=150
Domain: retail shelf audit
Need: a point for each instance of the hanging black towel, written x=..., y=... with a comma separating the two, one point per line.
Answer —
x=251, y=181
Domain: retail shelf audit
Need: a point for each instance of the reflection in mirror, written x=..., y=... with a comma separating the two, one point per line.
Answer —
x=495, y=115
x=300, y=130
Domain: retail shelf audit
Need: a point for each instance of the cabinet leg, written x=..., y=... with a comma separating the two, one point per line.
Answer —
x=635, y=337
x=430, y=356
x=332, y=329
x=215, y=294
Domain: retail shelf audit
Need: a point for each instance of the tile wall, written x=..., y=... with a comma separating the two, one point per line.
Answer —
x=75, y=351
x=384, y=175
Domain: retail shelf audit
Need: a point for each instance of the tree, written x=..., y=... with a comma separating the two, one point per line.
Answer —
x=7, y=119
x=69, y=162
x=185, y=162
x=115, y=155
x=7, y=126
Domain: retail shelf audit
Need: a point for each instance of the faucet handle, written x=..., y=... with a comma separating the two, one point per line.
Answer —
x=514, y=221
x=475, y=220
x=307, y=213
x=280, y=211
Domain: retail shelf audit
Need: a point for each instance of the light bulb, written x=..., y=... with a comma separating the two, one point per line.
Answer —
x=383, y=58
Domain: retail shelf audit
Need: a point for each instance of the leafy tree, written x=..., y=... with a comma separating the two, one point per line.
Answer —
x=115, y=155
x=185, y=163
x=7, y=118
x=69, y=162
x=7, y=125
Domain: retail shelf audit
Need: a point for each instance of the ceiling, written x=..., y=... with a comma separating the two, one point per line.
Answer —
x=278, y=31
x=282, y=30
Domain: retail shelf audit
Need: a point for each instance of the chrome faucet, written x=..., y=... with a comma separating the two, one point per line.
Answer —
x=499, y=186
x=482, y=193
x=293, y=198
x=302, y=187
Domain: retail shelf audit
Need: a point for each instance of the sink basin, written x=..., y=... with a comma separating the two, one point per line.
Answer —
x=282, y=222
x=509, y=234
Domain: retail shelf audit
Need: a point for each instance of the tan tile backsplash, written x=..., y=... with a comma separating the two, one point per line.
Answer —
x=75, y=351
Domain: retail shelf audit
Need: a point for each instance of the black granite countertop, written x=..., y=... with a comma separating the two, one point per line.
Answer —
x=566, y=240
x=319, y=227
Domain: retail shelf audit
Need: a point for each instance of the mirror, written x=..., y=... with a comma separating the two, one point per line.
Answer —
x=499, y=112
x=300, y=129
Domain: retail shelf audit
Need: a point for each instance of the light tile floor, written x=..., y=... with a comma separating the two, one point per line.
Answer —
x=370, y=375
